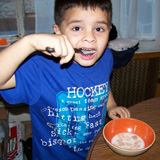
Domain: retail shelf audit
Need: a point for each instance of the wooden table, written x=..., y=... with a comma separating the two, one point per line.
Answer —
x=147, y=111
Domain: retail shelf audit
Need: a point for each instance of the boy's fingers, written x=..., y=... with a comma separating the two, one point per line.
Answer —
x=69, y=50
x=60, y=47
x=63, y=49
x=64, y=46
x=119, y=112
x=124, y=113
x=67, y=58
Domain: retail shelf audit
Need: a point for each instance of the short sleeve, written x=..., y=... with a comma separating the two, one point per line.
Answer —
x=27, y=88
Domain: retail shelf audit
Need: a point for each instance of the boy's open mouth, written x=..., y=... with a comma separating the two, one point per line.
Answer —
x=88, y=52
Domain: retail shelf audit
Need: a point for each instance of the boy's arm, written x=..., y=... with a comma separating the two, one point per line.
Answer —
x=115, y=111
x=12, y=56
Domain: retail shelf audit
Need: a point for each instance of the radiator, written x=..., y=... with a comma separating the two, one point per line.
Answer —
x=135, y=82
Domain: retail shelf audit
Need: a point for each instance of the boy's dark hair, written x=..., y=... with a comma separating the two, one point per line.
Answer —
x=62, y=5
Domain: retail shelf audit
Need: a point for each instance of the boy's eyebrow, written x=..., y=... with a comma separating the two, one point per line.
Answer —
x=103, y=22
x=97, y=22
x=74, y=21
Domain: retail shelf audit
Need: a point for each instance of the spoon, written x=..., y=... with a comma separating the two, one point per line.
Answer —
x=81, y=51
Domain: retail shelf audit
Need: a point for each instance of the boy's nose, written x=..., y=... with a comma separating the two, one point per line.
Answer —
x=89, y=36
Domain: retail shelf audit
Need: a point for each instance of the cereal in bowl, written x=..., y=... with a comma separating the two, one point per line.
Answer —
x=128, y=141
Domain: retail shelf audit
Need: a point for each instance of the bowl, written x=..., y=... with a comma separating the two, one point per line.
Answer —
x=129, y=137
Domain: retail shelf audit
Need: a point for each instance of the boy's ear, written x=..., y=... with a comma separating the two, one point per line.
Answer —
x=56, y=29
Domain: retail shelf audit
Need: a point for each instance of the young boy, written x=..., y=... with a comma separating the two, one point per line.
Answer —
x=68, y=93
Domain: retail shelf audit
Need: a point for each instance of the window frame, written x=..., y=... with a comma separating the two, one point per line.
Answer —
x=19, y=6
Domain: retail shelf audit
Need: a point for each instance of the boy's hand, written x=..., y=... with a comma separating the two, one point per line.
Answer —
x=118, y=112
x=59, y=42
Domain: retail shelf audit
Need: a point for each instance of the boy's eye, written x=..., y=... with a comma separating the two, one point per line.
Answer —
x=99, y=29
x=76, y=28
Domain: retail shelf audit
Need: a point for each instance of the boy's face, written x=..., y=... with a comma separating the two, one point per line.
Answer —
x=88, y=29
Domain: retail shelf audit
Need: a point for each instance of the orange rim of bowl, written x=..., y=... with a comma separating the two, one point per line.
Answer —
x=132, y=150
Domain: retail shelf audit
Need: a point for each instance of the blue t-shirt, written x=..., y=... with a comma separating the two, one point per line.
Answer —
x=67, y=104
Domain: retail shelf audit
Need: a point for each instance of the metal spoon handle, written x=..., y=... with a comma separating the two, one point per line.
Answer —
x=48, y=49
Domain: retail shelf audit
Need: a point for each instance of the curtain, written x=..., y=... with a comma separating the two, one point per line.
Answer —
x=136, y=18
x=44, y=11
